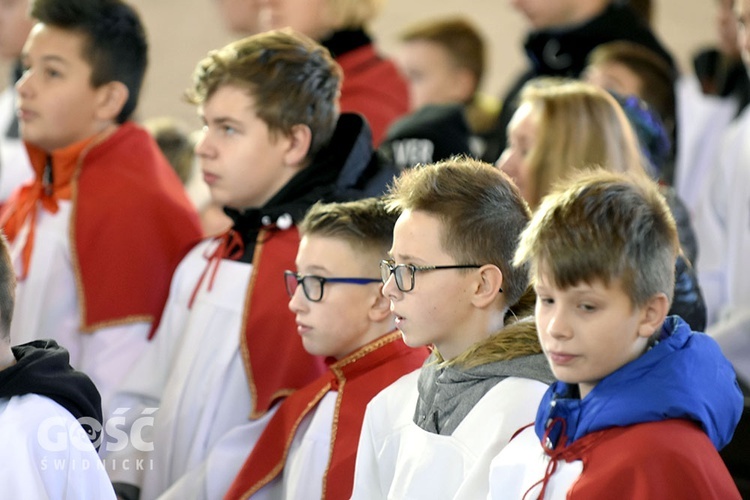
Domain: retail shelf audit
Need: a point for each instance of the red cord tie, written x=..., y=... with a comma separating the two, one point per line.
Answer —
x=554, y=453
x=230, y=247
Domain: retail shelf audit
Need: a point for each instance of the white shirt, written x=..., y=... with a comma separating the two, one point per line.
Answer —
x=47, y=306
x=722, y=227
x=193, y=373
x=46, y=453
x=397, y=459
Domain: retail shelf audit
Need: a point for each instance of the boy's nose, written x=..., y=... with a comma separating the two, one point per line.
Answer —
x=203, y=146
x=557, y=325
x=297, y=302
x=23, y=85
x=389, y=289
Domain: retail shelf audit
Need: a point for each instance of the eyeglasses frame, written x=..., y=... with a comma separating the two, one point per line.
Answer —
x=322, y=280
x=413, y=269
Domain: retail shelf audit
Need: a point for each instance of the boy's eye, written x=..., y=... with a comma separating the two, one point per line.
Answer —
x=587, y=307
x=228, y=130
x=51, y=73
x=545, y=300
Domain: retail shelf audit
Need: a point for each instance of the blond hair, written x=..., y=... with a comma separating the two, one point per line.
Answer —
x=579, y=126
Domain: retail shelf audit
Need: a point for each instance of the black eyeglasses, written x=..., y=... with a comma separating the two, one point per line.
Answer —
x=404, y=273
x=312, y=285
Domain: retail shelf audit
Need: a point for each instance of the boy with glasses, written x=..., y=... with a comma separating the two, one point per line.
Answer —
x=452, y=286
x=227, y=351
x=308, y=448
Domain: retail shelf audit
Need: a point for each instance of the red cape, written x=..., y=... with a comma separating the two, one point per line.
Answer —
x=669, y=459
x=357, y=378
x=374, y=88
x=275, y=360
x=131, y=223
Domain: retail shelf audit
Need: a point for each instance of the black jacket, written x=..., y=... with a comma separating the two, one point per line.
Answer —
x=563, y=52
x=43, y=367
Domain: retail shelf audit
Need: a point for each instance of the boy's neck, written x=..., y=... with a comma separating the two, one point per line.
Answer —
x=477, y=329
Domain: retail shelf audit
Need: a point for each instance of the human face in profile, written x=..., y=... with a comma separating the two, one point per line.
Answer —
x=57, y=105
x=243, y=163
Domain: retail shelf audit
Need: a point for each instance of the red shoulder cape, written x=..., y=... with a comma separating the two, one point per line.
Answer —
x=669, y=459
x=357, y=378
x=131, y=223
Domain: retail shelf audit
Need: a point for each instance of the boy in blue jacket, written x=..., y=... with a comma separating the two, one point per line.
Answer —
x=642, y=403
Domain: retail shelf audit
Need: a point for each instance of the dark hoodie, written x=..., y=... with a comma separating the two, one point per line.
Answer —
x=563, y=52
x=43, y=367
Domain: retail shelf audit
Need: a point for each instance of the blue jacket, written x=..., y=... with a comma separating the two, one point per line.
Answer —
x=684, y=375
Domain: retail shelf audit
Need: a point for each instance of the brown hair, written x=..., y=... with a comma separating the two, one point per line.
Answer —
x=458, y=37
x=608, y=226
x=366, y=224
x=654, y=72
x=481, y=210
x=293, y=80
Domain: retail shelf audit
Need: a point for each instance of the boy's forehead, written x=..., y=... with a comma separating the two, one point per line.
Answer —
x=52, y=42
x=228, y=100
x=417, y=233
x=333, y=253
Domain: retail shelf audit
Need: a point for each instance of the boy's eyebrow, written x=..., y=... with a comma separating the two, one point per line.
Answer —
x=223, y=120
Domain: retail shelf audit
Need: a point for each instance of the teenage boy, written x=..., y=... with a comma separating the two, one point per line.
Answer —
x=227, y=347
x=642, y=403
x=43, y=405
x=309, y=446
x=96, y=235
x=563, y=33
x=450, y=282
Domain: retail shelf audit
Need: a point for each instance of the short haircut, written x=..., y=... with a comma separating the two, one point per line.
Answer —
x=481, y=210
x=7, y=289
x=115, y=42
x=607, y=226
x=353, y=14
x=366, y=224
x=654, y=72
x=292, y=79
x=579, y=126
x=458, y=37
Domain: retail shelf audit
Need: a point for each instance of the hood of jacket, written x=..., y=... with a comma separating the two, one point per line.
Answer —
x=43, y=367
x=448, y=391
x=683, y=376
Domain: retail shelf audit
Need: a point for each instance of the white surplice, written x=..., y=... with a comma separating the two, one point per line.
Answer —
x=397, y=459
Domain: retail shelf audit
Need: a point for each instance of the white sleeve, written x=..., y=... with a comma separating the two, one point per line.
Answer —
x=130, y=413
x=367, y=473
x=212, y=478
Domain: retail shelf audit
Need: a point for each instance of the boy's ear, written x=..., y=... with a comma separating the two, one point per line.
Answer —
x=111, y=97
x=488, y=285
x=381, y=307
x=299, y=145
x=653, y=314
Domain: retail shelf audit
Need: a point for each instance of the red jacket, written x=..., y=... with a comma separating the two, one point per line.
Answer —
x=373, y=87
